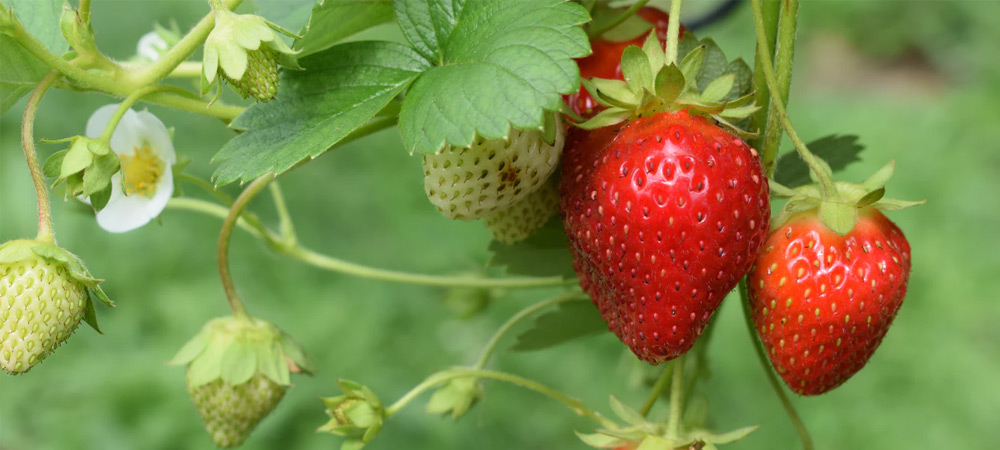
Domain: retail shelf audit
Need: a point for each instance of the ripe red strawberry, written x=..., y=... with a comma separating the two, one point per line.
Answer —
x=664, y=215
x=605, y=61
x=822, y=302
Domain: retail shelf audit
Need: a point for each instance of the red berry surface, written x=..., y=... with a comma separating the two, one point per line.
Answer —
x=822, y=302
x=606, y=60
x=664, y=216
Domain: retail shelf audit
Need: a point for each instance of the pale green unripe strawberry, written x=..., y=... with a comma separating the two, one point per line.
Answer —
x=517, y=222
x=473, y=182
x=260, y=80
x=238, y=371
x=44, y=294
x=231, y=412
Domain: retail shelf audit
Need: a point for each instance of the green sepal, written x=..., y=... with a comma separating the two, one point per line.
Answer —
x=53, y=165
x=601, y=440
x=89, y=315
x=870, y=198
x=357, y=414
x=455, y=397
x=625, y=413
x=99, y=199
x=691, y=63
x=718, y=88
x=636, y=69
x=880, y=177
x=891, y=204
x=605, y=118
x=613, y=93
x=653, y=442
x=16, y=250
x=77, y=158
x=669, y=83
x=723, y=438
x=97, y=176
x=236, y=349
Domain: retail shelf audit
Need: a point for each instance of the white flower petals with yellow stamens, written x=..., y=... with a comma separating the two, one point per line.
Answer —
x=140, y=191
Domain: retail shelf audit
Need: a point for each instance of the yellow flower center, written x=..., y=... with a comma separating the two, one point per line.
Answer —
x=141, y=172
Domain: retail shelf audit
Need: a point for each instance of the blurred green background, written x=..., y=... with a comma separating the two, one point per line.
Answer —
x=919, y=81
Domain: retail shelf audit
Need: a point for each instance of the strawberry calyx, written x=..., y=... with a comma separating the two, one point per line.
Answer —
x=15, y=251
x=236, y=349
x=699, y=83
x=838, y=202
x=357, y=414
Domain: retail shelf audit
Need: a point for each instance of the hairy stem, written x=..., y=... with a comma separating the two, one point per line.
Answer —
x=84, y=11
x=825, y=180
x=657, y=391
x=673, y=31
x=286, y=227
x=521, y=315
x=784, y=54
x=187, y=69
x=45, y=233
x=793, y=415
x=124, y=106
x=597, y=32
x=676, y=399
x=441, y=377
x=224, y=237
x=213, y=209
x=761, y=93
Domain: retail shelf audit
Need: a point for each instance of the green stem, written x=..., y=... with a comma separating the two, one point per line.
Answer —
x=84, y=11
x=784, y=54
x=825, y=179
x=339, y=265
x=526, y=312
x=213, y=209
x=178, y=53
x=124, y=106
x=45, y=233
x=673, y=31
x=224, y=237
x=442, y=377
x=217, y=109
x=207, y=187
x=676, y=399
x=793, y=415
x=597, y=32
x=186, y=69
x=286, y=227
x=761, y=93
x=657, y=391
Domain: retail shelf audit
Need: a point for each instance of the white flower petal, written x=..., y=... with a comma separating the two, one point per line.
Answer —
x=128, y=212
x=151, y=45
x=127, y=135
x=157, y=136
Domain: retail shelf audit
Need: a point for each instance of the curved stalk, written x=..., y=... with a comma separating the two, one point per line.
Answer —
x=793, y=415
x=444, y=376
x=224, y=237
x=526, y=312
x=654, y=394
x=45, y=233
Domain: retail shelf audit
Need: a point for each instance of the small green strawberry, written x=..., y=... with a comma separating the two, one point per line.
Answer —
x=356, y=415
x=517, y=222
x=469, y=183
x=238, y=371
x=245, y=50
x=45, y=292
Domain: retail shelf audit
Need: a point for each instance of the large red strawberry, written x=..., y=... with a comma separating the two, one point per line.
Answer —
x=822, y=301
x=605, y=61
x=664, y=216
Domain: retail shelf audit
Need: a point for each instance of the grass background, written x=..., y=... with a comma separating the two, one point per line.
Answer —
x=919, y=81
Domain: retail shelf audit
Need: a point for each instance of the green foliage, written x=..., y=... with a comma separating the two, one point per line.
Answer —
x=837, y=150
x=338, y=92
x=571, y=320
x=20, y=71
x=333, y=20
x=496, y=64
x=544, y=253
x=41, y=19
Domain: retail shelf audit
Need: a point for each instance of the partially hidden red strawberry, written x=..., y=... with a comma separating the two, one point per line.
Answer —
x=605, y=61
x=664, y=215
x=822, y=302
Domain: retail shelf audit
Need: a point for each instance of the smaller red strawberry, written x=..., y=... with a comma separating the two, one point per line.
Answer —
x=822, y=300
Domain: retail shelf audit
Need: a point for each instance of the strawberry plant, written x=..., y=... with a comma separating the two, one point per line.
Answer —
x=619, y=161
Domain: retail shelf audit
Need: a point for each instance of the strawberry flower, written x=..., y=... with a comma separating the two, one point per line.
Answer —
x=141, y=189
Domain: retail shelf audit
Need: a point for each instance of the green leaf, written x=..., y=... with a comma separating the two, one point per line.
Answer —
x=498, y=63
x=340, y=90
x=571, y=320
x=837, y=150
x=41, y=19
x=543, y=254
x=288, y=14
x=335, y=20
x=20, y=71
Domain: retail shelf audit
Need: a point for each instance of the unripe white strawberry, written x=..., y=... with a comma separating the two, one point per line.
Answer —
x=473, y=182
x=238, y=371
x=44, y=294
x=517, y=222
x=231, y=412
x=260, y=81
